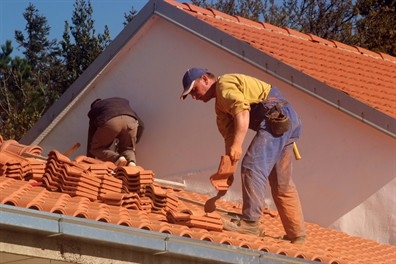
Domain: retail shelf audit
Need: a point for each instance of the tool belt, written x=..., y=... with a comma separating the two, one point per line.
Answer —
x=277, y=122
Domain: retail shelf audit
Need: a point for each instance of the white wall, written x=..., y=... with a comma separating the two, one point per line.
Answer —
x=345, y=163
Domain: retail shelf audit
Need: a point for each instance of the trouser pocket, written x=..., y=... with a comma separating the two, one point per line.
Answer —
x=257, y=114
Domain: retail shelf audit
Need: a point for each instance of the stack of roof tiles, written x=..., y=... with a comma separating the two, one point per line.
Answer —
x=129, y=196
x=16, y=161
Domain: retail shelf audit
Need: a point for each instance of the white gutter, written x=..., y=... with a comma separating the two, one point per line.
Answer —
x=55, y=225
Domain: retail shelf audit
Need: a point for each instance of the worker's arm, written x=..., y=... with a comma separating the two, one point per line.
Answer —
x=241, y=126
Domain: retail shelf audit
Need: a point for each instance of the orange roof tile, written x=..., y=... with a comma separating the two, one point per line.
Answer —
x=367, y=76
x=137, y=201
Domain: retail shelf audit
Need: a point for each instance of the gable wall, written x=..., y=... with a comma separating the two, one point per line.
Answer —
x=342, y=165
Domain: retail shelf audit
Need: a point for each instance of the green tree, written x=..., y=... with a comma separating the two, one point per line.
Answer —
x=130, y=16
x=376, y=27
x=19, y=99
x=367, y=23
x=325, y=18
x=42, y=55
x=30, y=85
x=251, y=9
x=81, y=52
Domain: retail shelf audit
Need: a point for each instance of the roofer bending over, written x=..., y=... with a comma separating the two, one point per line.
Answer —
x=111, y=120
x=244, y=102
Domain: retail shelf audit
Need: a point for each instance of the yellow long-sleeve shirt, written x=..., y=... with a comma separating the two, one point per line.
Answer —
x=235, y=93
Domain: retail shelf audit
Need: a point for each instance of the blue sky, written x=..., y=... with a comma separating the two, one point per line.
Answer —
x=105, y=12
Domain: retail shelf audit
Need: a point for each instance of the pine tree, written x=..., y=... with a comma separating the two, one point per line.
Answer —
x=19, y=100
x=376, y=28
x=87, y=45
x=130, y=16
x=367, y=23
x=42, y=55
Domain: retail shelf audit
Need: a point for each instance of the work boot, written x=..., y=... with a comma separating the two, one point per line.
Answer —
x=121, y=161
x=242, y=226
x=132, y=164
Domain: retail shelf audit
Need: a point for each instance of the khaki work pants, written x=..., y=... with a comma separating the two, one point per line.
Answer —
x=122, y=128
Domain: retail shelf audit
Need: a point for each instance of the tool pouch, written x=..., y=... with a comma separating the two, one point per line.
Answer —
x=277, y=122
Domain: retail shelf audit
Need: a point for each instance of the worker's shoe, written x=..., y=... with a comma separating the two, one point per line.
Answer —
x=242, y=226
x=131, y=163
x=121, y=161
x=297, y=241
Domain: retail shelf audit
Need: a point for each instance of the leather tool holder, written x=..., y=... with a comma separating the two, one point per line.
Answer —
x=277, y=122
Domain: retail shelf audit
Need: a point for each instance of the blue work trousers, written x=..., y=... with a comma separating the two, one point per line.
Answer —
x=269, y=158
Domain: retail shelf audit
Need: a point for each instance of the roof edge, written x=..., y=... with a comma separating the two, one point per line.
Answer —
x=58, y=110
x=165, y=9
x=54, y=225
x=282, y=30
x=279, y=69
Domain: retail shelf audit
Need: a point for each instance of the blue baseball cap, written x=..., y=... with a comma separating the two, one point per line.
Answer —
x=189, y=79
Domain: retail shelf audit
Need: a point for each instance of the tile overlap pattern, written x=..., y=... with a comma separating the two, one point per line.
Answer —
x=100, y=191
x=129, y=196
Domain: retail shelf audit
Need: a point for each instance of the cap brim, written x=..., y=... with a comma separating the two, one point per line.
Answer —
x=186, y=92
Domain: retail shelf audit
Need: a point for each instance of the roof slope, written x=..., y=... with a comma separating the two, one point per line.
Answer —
x=368, y=76
x=355, y=80
x=130, y=196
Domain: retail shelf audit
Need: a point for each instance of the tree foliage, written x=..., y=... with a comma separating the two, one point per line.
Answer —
x=87, y=45
x=376, y=26
x=129, y=16
x=42, y=55
x=19, y=100
x=368, y=23
x=30, y=85
x=27, y=89
x=251, y=9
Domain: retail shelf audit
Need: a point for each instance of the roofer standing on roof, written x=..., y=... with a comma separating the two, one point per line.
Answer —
x=111, y=119
x=244, y=102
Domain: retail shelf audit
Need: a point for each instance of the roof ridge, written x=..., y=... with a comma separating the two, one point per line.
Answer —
x=284, y=31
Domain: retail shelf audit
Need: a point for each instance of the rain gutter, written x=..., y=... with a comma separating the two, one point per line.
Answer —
x=54, y=225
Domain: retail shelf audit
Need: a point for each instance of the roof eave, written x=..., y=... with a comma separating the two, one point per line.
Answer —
x=55, y=225
x=279, y=69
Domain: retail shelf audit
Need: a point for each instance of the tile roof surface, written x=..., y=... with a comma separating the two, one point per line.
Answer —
x=130, y=196
x=367, y=76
